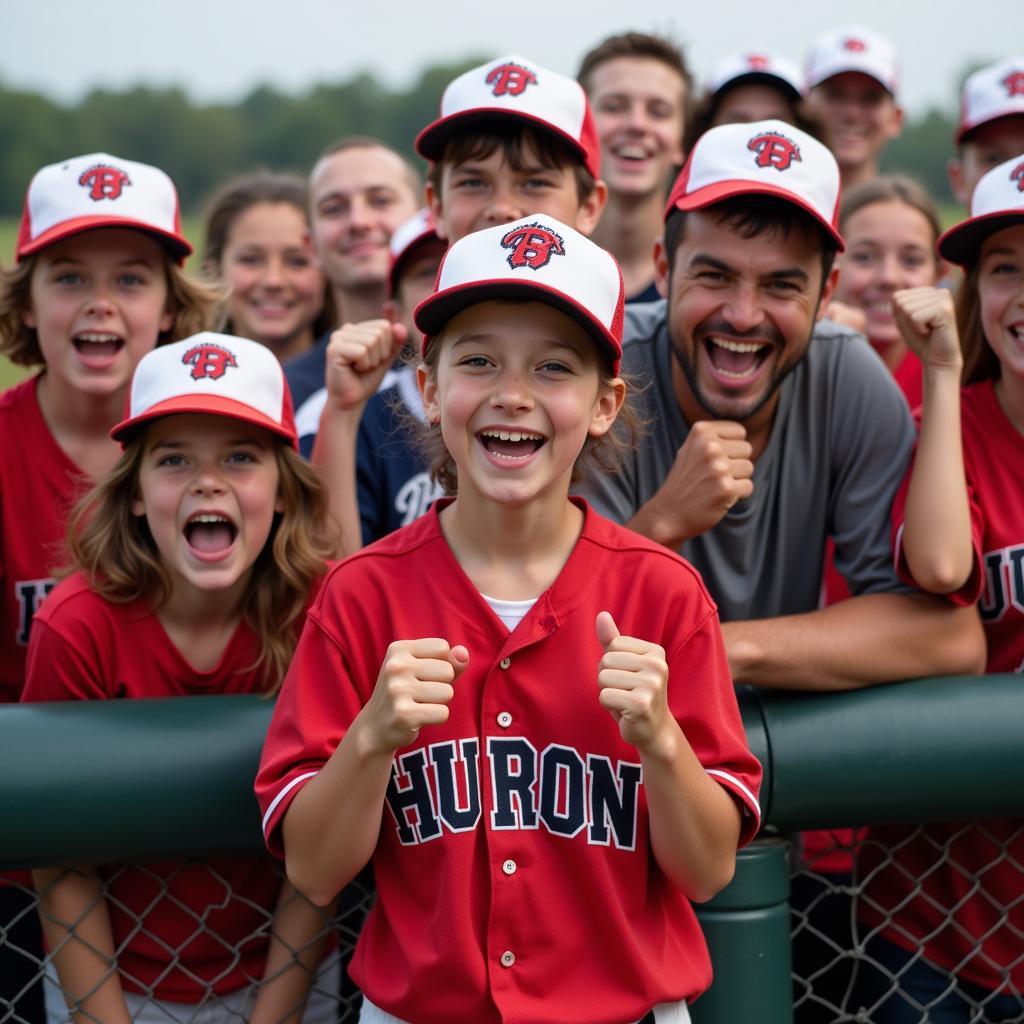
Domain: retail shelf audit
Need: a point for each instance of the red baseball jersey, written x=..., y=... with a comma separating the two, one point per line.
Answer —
x=86, y=648
x=974, y=867
x=38, y=485
x=515, y=878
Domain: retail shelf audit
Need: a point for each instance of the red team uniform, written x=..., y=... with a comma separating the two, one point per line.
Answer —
x=517, y=832
x=87, y=648
x=38, y=485
x=980, y=869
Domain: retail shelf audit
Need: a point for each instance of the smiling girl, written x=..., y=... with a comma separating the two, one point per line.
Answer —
x=955, y=939
x=98, y=283
x=258, y=245
x=564, y=679
x=200, y=548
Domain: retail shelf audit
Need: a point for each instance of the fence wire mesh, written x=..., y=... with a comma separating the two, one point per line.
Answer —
x=916, y=925
x=190, y=942
x=909, y=924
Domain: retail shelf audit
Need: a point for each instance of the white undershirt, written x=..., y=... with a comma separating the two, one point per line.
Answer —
x=510, y=612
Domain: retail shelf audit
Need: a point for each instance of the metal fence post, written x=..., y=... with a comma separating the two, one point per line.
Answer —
x=747, y=929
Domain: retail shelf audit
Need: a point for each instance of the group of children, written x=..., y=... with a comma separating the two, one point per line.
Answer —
x=519, y=712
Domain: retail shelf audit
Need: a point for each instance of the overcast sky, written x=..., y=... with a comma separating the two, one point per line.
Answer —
x=220, y=49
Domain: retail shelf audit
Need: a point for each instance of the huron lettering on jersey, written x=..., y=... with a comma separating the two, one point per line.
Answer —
x=436, y=789
x=30, y=595
x=1004, y=582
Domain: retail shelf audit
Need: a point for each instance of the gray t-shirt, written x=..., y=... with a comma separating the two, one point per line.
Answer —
x=839, y=447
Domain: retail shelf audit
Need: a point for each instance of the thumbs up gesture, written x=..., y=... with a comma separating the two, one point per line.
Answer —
x=632, y=681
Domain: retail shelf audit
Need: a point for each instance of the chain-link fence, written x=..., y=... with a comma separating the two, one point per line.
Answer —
x=190, y=943
x=873, y=940
x=909, y=924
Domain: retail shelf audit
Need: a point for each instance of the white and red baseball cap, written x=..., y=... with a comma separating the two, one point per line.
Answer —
x=210, y=373
x=537, y=258
x=993, y=92
x=769, y=158
x=100, y=191
x=997, y=203
x=513, y=89
x=854, y=49
x=407, y=240
x=757, y=66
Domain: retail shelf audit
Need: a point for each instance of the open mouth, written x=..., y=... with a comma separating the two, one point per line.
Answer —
x=210, y=533
x=98, y=344
x=510, y=444
x=631, y=152
x=737, y=360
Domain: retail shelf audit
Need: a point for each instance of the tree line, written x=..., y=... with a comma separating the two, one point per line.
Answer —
x=201, y=146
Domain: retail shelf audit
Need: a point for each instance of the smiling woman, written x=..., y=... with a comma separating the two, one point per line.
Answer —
x=258, y=244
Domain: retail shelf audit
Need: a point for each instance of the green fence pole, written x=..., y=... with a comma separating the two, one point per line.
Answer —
x=747, y=928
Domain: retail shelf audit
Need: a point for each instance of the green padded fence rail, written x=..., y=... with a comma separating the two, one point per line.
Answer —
x=104, y=781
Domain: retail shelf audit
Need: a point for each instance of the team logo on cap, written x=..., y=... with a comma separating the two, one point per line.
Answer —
x=1014, y=83
x=210, y=361
x=510, y=79
x=854, y=45
x=532, y=246
x=757, y=61
x=104, y=181
x=1017, y=175
x=774, y=150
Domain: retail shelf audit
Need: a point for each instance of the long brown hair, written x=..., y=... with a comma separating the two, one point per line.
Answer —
x=116, y=552
x=194, y=304
x=980, y=362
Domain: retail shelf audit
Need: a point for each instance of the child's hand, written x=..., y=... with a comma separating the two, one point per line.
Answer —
x=358, y=356
x=413, y=689
x=927, y=322
x=632, y=680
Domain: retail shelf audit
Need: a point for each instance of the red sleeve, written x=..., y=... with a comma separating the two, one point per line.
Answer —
x=317, y=703
x=703, y=701
x=60, y=663
x=969, y=593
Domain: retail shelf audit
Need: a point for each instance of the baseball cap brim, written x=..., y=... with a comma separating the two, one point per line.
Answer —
x=827, y=71
x=431, y=141
x=436, y=310
x=179, y=247
x=768, y=78
x=410, y=252
x=967, y=127
x=218, y=405
x=960, y=244
x=711, y=194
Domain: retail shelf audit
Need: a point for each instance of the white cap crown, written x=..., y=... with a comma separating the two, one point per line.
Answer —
x=993, y=92
x=854, y=49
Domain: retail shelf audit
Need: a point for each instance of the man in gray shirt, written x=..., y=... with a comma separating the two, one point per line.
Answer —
x=763, y=444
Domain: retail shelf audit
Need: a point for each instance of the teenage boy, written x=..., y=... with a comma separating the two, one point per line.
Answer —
x=639, y=86
x=991, y=125
x=763, y=442
x=853, y=76
x=360, y=191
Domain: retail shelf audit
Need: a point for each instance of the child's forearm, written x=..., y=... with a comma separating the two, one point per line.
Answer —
x=331, y=828
x=76, y=923
x=937, y=522
x=334, y=456
x=694, y=822
x=297, y=940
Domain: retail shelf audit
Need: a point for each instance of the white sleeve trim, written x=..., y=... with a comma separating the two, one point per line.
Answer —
x=280, y=796
x=751, y=799
x=897, y=546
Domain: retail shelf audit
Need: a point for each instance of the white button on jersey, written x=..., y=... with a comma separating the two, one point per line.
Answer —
x=509, y=867
x=508, y=958
x=504, y=663
x=504, y=719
